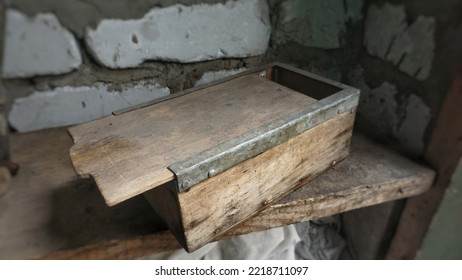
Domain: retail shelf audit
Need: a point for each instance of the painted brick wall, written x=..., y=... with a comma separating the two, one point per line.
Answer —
x=70, y=61
x=62, y=67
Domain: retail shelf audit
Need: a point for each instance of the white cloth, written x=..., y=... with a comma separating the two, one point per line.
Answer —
x=320, y=239
x=309, y=240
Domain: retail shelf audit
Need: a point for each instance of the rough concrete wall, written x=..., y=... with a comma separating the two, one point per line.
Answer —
x=72, y=61
x=401, y=53
x=412, y=47
x=323, y=37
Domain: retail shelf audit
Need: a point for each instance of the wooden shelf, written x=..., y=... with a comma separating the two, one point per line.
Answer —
x=50, y=213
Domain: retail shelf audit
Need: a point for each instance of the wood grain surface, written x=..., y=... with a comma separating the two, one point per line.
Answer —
x=118, y=150
x=219, y=203
x=50, y=213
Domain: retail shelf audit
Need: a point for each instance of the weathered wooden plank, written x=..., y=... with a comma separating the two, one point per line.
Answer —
x=164, y=200
x=50, y=213
x=251, y=186
x=371, y=175
x=125, y=249
x=118, y=150
x=48, y=208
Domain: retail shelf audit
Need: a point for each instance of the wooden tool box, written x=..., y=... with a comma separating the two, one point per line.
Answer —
x=209, y=158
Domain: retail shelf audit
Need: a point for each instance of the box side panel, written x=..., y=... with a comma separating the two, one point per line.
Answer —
x=164, y=201
x=317, y=88
x=221, y=202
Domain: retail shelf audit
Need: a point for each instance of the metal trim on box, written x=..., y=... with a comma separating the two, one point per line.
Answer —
x=213, y=161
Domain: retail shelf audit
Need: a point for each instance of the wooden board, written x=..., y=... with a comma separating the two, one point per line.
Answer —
x=370, y=175
x=246, y=189
x=50, y=213
x=48, y=208
x=118, y=150
x=164, y=200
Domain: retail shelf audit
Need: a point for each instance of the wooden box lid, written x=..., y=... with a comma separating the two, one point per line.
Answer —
x=130, y=153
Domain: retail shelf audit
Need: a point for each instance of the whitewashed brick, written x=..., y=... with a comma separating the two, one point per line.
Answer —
x=414, y=49
x=183, y=33
x=382, y=25
x=37, y=46
x=410, y=47
x=72, y=105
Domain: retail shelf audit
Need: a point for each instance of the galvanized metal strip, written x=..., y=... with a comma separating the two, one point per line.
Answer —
x=211, y=162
